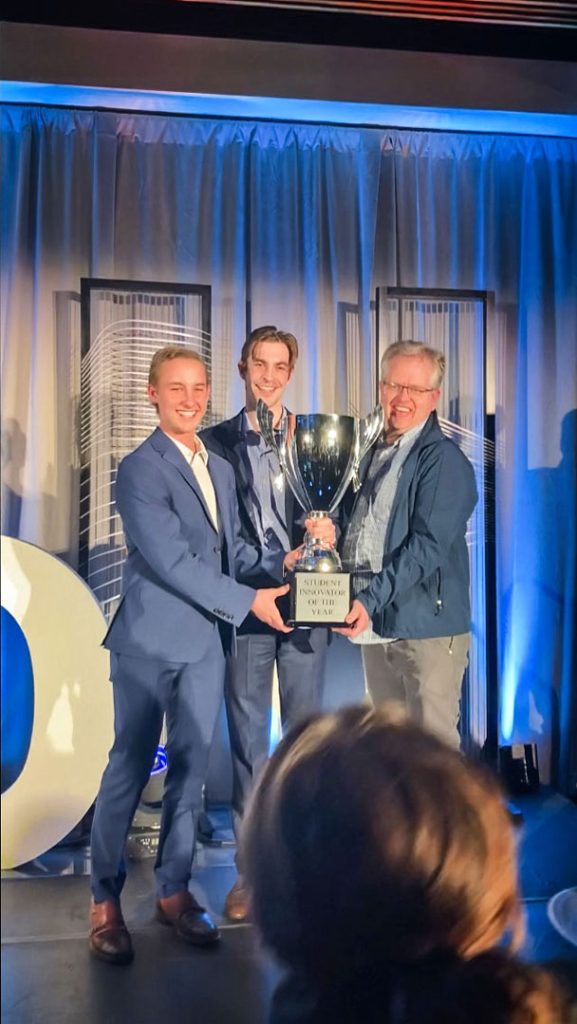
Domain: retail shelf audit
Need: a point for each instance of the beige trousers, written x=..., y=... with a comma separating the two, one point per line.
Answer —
x=424, y=676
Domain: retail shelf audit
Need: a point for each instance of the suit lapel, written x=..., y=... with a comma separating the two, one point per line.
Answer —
x=162, y=443
x=238, y=457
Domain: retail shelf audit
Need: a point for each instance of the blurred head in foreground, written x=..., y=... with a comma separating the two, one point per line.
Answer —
x=381, y=865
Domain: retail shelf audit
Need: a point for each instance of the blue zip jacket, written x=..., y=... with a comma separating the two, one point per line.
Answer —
x=423, y=588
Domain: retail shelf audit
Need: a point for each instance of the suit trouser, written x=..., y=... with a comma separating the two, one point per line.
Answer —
x=300, y=660
x=190, y=696
x=424, y=676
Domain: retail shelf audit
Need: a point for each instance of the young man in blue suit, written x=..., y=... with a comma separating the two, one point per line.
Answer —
x=270, y=518
x=168, y=642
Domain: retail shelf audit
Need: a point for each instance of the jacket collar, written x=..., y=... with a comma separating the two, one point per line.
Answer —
x=430, y=434
x=169, y=451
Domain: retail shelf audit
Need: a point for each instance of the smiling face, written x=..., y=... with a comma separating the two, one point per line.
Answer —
x=266, y=374
x=404, y=409
x=180, y=392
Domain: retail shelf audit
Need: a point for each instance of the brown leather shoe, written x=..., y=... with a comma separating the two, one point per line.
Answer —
x=236, y=904
x=109, y=938
x=189, y=920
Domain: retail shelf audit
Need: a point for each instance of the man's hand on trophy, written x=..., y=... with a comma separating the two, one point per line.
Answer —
x=265, y=608
x=291, y=558
x=322, y=529
x=357, y=620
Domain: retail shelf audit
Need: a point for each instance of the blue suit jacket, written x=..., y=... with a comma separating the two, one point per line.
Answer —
x=227, y=440
x=179, y=583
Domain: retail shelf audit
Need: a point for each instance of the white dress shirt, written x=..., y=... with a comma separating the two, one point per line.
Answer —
x=198, y=462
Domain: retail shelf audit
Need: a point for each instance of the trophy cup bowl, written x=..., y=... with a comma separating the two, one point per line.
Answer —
x=320, y=454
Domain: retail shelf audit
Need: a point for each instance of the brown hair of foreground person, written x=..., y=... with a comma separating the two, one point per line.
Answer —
x=382, y=870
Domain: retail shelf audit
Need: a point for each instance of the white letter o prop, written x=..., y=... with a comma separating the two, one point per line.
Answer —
x=72, y=726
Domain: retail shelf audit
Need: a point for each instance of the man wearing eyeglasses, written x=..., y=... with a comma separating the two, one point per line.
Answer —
x=405, y=545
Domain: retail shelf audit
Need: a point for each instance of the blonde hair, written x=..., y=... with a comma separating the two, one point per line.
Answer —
x=166, y=354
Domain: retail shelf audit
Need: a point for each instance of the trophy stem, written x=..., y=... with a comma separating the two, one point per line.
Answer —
x=317, y=556
x=309, y=539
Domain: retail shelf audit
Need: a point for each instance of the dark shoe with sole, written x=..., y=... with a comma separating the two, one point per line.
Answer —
x=109, y=937
x=236, y=904
x=189, y=920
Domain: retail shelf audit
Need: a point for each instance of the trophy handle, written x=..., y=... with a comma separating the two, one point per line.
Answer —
x=284, y=450
x=368, y=432
x=288, y=459
x=265, y=421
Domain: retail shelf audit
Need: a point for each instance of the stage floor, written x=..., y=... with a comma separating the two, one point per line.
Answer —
x=49, y=976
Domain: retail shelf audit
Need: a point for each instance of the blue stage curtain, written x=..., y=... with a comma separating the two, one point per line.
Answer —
x=297, y=225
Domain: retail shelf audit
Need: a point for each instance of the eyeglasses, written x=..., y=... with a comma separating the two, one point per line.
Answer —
x=411, y=389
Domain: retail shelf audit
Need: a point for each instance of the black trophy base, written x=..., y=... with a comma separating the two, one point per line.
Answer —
x=319, y=599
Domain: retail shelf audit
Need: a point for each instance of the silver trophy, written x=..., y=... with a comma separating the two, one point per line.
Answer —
x=320, y=456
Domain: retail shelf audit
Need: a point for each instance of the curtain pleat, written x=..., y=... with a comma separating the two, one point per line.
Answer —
x=297, y=225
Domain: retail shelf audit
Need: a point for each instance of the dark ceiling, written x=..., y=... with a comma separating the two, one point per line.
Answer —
x=519, y=28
